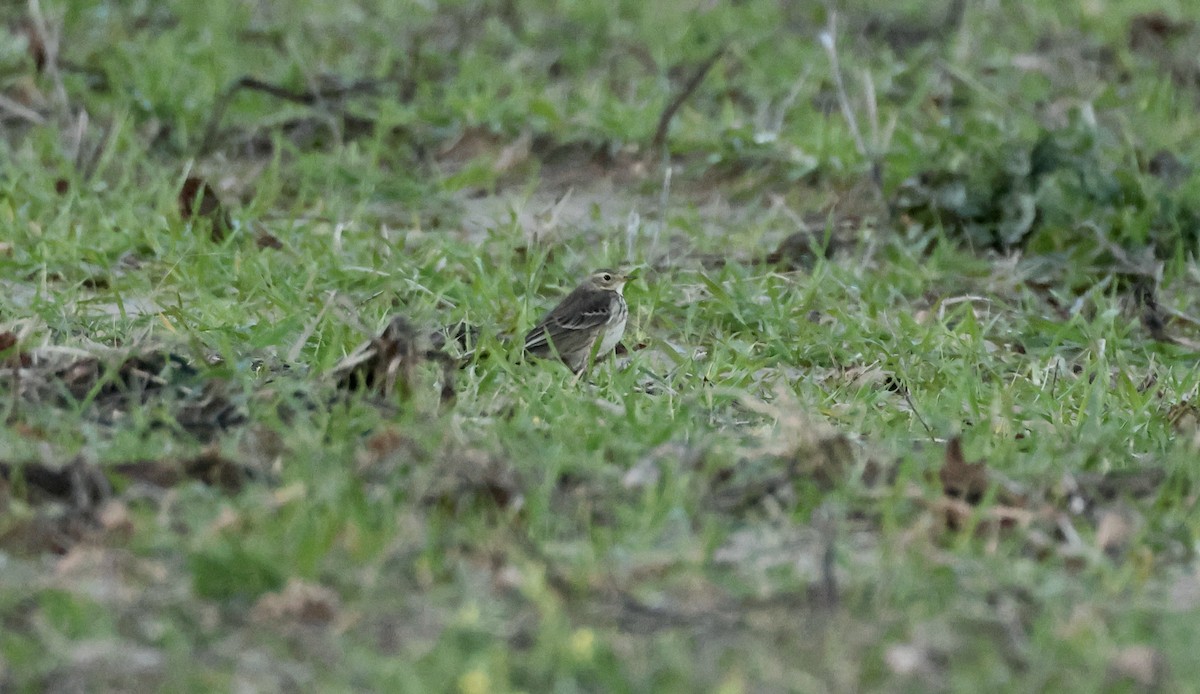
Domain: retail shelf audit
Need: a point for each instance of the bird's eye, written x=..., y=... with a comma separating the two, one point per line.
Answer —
x=606, y=277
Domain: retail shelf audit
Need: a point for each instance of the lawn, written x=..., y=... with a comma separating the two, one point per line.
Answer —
x=907, y=399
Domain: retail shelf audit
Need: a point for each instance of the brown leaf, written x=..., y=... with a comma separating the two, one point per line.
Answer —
x=36, y=45
x=11, y=355
x=299, y=601
x=958, y=513
x=960, y=479
x=1087, y=488
x=465, y=478
x=1152, y=314
x=1113, y=533
x=1184, y=417
x=210, y=467
x=1165, y=165
x=514, y=154
x=198, y=199
x=266, y=240
x=77, y=484
x=46, y=531
x=1169, y=42
x=115, y=520
x=798, y=250
x=388, y=364
x=1150, y=30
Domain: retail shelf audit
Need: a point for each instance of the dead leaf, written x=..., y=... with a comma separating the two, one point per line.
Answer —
x=645, y=473
x=914, y=660
x=1144, y=666
x=1150, y=30
x=78, y=484
x=1083, y=489
x=1184, y=417
x=106, y=574
x=210, y=467
x=648, y=470
x=799, y=250
x=1152, y=314
x=960, y=479
x=265, y=240
x=51, y=530
x=299, y=601
x=11, y=355
x=1184, y=592
x=464, y=478
x=468, y=145
x=35, y=44
x=209, y=412
x=198, y=199
x=388, y=443
x=1166, y=166
x=46, y=508
x=958, y=514
x=462, y=335
x=112, y=384
x=1113, y=533
x=109, y=665
x=115, y=520
x=1169, y=42
x=513, y=155
x=388, y=364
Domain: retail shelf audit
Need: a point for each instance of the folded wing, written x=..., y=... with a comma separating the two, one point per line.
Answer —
x=572, y=325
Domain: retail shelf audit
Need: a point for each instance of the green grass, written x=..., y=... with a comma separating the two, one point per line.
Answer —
x=672, y=521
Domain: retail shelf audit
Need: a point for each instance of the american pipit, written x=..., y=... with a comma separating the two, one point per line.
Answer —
x=586, y=325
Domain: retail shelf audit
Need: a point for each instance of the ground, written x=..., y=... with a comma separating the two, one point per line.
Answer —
x=906, y=402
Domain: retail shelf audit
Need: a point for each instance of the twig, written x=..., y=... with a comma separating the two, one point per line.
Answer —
x=1179, y=315
x=1152, y=314
x=108, y=139
x=304, y=98
x=872, y=106
x=664, y=121
x=913, y=407
x=828, y=590
x=298, y=346
x=954, y=16
x=828, y=40
x=310, y=97
x=22, y=112
x=633, y=225
x=50, y=47
x=663, y=199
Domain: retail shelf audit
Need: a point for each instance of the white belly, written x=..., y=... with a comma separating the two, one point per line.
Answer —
x=612, y=336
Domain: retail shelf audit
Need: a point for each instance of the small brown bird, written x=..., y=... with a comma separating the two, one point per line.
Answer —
x=586, y=325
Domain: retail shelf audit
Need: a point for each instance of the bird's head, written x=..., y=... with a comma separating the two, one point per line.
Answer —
x=608, y=280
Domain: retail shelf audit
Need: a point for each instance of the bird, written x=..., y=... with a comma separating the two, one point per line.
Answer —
x=586, y=325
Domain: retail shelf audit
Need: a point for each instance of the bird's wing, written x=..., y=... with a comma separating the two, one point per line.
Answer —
x=577, y=316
